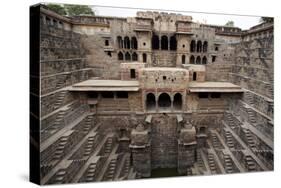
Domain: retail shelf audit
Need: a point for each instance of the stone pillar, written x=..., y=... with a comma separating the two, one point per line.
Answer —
x=141, y=151
x=186, y=148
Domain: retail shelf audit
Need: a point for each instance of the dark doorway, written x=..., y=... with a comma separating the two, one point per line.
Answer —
x=133, y=73
x=134, y=43
x=192, y=59
x=194, y=76
x=120, y=42
x=177, y=103
x=173, y=43
x=164, y=42
x=144, y=58
x=127, y=56
x=155, y=42
x=127, y=42
x=150, y=101
x=183, y=59
x=192, y=46
x=199, y=46
x=135, y=56
x=120, y=56
x=198, y=60
x=164, y=101
x=205, y=46
x=204, y=60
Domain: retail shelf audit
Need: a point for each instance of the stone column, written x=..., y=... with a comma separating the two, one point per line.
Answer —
x=141, y=151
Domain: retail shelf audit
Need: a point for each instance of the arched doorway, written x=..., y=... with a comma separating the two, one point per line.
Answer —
x=173, y=43
x=127, y=42
x=198, y=60
x=205, y=46
x=127, y=56
x=204, y=60
x=183, y=59
x=192, y=59
x=119, y=42
x=177, y=103
x=199, y=46
x=135, y=56
x=120, y=56
x=134, y=43
x=164, y=101
x=150, y=101
x=155, y=42
x=192, y=46
x=164, y=42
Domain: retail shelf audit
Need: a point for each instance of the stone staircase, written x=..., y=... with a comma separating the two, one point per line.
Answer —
x=230, y=121
x=88, y=124
x=60, y=99
x=249, y=138
x=199, y=161
x=89, y=146
x=91, y=172
x=212, y=163
x=215, y=141
x=229, y=139
x=60, y=148
x=251, y=115
x=249, y=98
x=60, y=176
x=228, y=165
x=108, y=146
x=60, y=83
x=250, y=163
x=109, y=174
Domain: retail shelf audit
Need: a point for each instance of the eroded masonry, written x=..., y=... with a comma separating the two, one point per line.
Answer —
x=122, y=98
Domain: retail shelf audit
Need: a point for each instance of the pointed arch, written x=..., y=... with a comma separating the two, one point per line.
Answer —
x=183, y=59
x=119, y=42
x=127, y=42
x=198, y=60
x=128, y=56
x=120, y=56
x=192, y=46
x=192, y=60
x=177, y=102
x=150, y=101
x=134, y=43
x=204, y=60
x=135, y=56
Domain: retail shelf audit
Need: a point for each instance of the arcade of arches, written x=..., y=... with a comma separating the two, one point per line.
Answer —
x=163, y=102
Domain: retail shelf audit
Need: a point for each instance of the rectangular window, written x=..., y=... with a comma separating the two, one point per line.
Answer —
x=133, y=73
x=203, y=95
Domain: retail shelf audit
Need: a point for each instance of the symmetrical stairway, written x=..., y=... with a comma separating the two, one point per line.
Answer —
x=250, y=163
x=229, y=139
x=60, y=99
x=89, y=146
x=249, y=138
x=90, y=175
x=228, y=164
x=212, y=163
x=251, y=115
x=60, y=148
